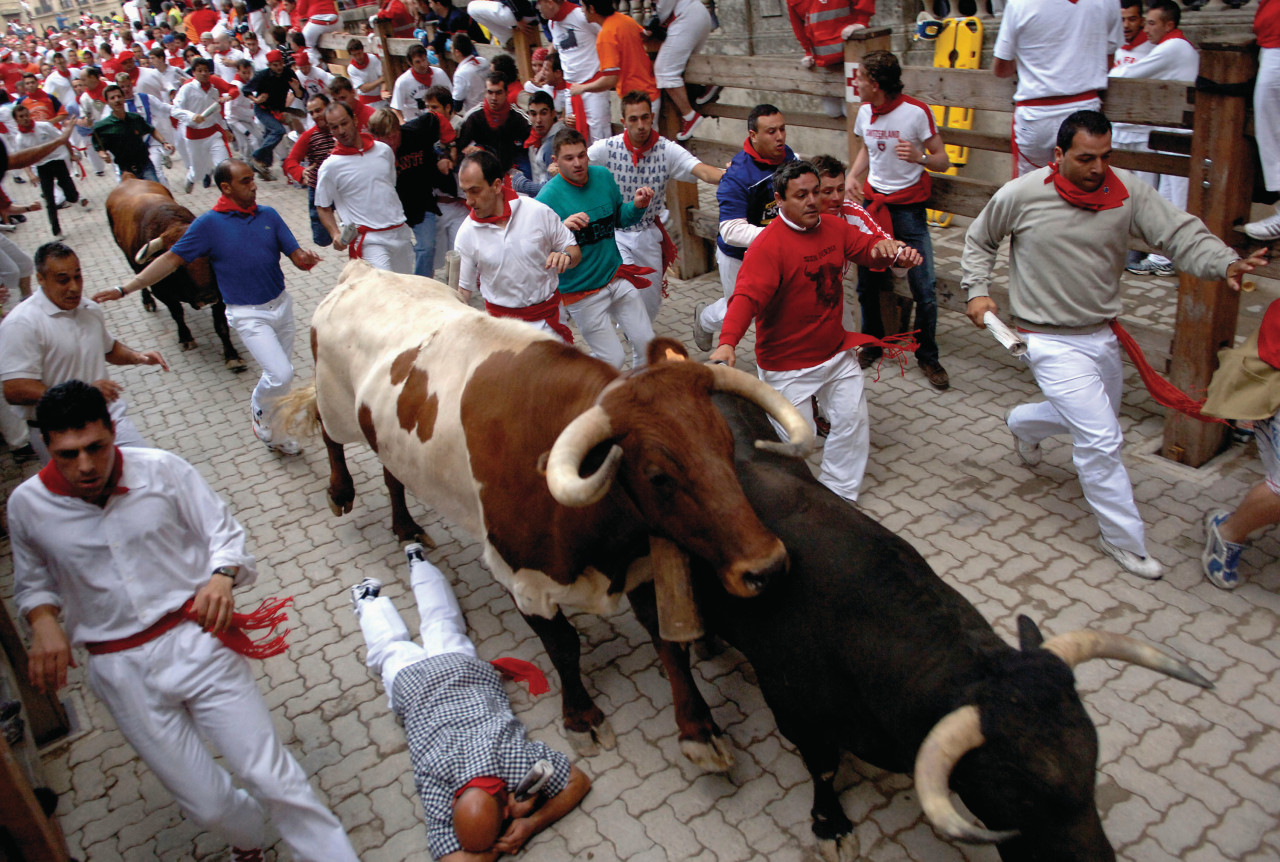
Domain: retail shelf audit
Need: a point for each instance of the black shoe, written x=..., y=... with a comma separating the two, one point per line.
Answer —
x=937, y=375
x=207, y=182
x=19, y=218
x=868, y=356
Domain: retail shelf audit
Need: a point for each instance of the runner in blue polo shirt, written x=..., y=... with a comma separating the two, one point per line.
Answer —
x=243, y=242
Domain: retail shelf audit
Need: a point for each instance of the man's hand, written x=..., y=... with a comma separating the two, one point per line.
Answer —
x=111, y=294
x=304, y=259
x=577, y=89
x=977, y=308
x=339, y=245
x=309, y=175
x=644, y=196
x=105, y=156
x=724, y=353
x=50, y=652
x=152, y=357
x=168, y=147
x=1245, y=264
x=559, y=261
x=895, y=252
x=847, y=32
x=109, y=389
x=520, y=831
x=579, y=221
x=214, y=604
x=445, y=166
x=806, y=62
x=553, y=169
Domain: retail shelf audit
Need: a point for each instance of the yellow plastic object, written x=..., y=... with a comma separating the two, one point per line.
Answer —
x=958, y=47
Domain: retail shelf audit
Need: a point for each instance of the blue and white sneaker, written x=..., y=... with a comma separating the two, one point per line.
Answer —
x=1220, y=557
x=366, y=589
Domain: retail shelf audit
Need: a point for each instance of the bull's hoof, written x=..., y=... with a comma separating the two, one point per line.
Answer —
x=713, y=756
x=587, y=743
x=423, y=539
x=842, y=849
x=237, y=365
x=411, y=532
x=189, y=345
x=342, y=508
x=149, y=305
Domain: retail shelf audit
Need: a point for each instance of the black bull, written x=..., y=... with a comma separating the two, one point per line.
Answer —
x=862, y=648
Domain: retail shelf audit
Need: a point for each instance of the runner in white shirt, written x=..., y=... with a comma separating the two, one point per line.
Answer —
x=513, y=248
x=196, y=106
x=239, y=112
x=152, y=83
x=468, y=74
x=253, y=49
x=652, y=162
x=365, y=72
x=58, y=82
x=575, y=43
x=410, y=90
x=1136, y=45
x=356, y=186
x=1061, y=51
x=225, y=56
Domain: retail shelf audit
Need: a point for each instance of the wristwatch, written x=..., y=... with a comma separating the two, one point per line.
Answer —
x=228, y=571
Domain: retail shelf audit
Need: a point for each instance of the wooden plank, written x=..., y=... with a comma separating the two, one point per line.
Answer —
x=960, y=195
x=774, y=74
x=38, y=838
x=794, y=118
x=48, y=719
x=1159, y=163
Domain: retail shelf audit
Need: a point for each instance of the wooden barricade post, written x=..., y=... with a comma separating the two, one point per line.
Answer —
x=48, y=719
x=36, y=836
x=695, y=254
x=1221, y=175
x=393, y=65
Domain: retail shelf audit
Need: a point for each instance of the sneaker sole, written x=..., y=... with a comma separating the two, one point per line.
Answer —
x=1206, y=556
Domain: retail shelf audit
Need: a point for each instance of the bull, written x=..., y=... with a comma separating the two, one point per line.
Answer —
x=563, y=469
x=863, y=648
x=146, y=221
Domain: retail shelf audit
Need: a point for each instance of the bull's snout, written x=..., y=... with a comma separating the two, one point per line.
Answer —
x=748, y=578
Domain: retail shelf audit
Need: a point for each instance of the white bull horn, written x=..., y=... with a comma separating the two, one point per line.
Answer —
x=565, y=461
x=799, y=433
x=1080, y=646
x=957, y=734
x=148, y=251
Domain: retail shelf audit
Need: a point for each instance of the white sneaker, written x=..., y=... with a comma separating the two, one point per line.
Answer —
x=261, y=431
x=1144, y=567
x=1265, y=229
x=1029, y=452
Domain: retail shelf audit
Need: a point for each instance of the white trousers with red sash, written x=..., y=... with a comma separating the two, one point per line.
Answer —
x=644, y=248
x=1035, y=131
x=172, y=693
x=391, y=250
x=595, y=316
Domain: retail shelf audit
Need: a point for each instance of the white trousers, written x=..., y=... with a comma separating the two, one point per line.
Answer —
x=127, y=434
x=596, y=107
x=595, y=316
x=838, y=384
x=1266, y=115
x=169, y=695
x=644, y=248
x=685, y=37
x=248, y=136
x=204, y=154
x=261, y=24
x=1035, y=131
x=391, y=250
x=452, y=214
x=713, y=315
x=1081, y=376
x=494, y=17
x=267, y=331
x=443, y=629
x=15, y=265
x=317, y=27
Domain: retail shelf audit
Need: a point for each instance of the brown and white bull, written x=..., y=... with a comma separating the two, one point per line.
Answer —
x=563, y=468
x=146, y=221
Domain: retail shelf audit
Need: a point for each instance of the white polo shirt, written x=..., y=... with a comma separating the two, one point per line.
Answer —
x=1060, y=46
x=361, y=188
x=39, y=341
x=507, y=262
x=408, y=96
x=575, y=41
x=468, y=82
x=910, y=121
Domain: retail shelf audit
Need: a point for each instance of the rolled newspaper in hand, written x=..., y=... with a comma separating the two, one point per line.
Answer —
x=1008, y=339
x=208, y=112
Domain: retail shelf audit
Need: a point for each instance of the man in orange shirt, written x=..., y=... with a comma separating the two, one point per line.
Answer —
x=624, y=63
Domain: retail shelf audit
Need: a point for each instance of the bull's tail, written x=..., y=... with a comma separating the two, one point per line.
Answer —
x=298, y=412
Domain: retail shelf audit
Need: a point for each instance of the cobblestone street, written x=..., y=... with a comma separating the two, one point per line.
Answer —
x=1184, y=773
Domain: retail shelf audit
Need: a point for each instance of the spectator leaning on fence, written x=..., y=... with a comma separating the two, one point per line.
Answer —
x=686, y=25
x=822, y=27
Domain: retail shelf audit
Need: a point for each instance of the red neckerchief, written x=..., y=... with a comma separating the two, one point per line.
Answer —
x=1269, y=336
x=361, y=66
x=366, y=144
x=96, y=92
x=508, y=195
x=1140, y=39
x=424, y=80
x=227, y=205
x=28, y=129
x=565, y=9
x=447, y=132
x=487, y=783
x=535, y=138
x=496, y=119
x=1109, y=195
x=888, y=105
x=581, y=185
x=56, y=483
x=1175, y=33
x=751, y=151
x=637, y=153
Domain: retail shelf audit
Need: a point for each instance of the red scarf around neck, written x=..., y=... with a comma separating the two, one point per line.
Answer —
x=535, y=138
x=361, y=66
x=28, y=128
x=227, y=205
x=366, y=144
x=56, y=483
x=564, y=10
x=424, y=80
x=1140, y=39
x=637, y=153
x=508, y=195
x=886, y=107
x=496, y=118
x=751, y=151
x=1175, y=33
x=1109, y=195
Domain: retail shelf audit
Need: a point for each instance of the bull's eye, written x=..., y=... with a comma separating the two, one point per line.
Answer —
x=662, y=483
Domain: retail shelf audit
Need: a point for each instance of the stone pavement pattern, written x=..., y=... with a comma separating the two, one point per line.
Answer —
x=1185, y=774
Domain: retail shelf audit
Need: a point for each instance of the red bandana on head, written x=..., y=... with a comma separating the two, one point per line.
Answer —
x=227, y=205
x=637, y=153
x=1109, y=195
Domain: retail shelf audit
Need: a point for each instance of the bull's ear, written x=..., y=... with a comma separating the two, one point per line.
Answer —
x=542, y=462
x=666, y=350
x=1029, y=636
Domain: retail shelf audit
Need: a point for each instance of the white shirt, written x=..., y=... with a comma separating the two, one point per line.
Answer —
x=259, y=59
x=118, y=569
x=58, y=85
x=153, y=84
x=560, y=98
x=41, y=133
x=1171, y=60
x=1060, y=46
x=91, y=109
x=408, y=95
x=192, y=99
x=224, y=65
x=239, y=109
x=361, y=188
x=314, y=81
x=359, y=77
x=39, y=341
x=910, y=121
x=665, y=161
x=1124, y=56
x=507, y=262
x=468, y=82
x=575, y=41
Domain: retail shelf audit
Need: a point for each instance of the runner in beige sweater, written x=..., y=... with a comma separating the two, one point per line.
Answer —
x=1070, y=225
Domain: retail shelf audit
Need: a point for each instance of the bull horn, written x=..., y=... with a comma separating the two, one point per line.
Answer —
x=563, y=464
x=148, y=251
x=957, y=734
x=1079, y=646
x=755, y=390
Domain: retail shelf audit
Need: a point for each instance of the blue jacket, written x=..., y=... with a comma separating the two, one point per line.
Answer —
x=746, y=191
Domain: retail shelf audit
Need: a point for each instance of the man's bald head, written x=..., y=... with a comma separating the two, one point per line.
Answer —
x=477, y=820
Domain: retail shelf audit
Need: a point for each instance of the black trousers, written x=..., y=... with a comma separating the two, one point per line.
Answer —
x=49, y=173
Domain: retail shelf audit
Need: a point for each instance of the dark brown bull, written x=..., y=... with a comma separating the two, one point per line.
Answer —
x=146, y=221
